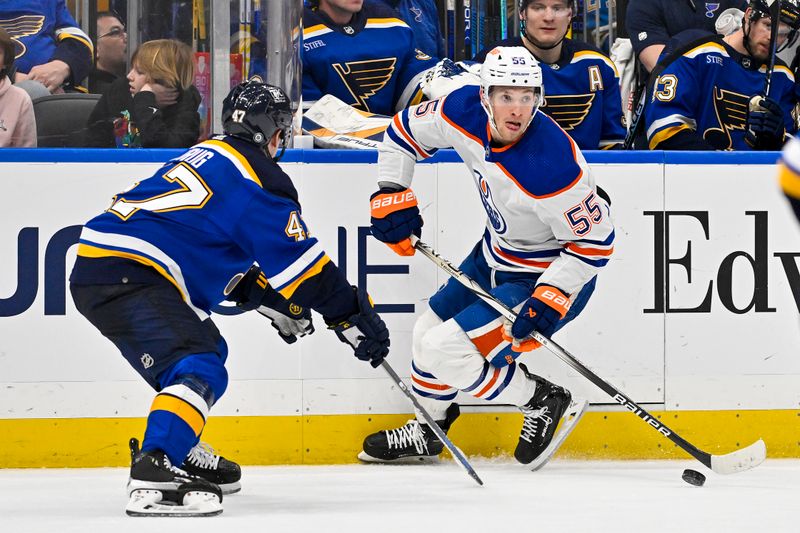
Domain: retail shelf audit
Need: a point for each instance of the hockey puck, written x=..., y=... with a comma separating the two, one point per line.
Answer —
x=693, y=477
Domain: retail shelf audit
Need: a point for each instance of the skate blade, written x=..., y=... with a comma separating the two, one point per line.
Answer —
x=408, y=460
x=149, y=502
x=568, y=422
x=230, y=488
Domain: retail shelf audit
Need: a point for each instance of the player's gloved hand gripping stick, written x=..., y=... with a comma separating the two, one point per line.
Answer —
x=730, y=463
x=251, y=290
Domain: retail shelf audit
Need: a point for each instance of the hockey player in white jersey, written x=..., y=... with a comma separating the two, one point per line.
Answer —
x=548, y=233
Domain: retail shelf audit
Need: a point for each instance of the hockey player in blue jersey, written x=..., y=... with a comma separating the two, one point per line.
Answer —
x=548, y=234
x=711, y=95
x=360, y=52
x=51, y=48
x=581, y=83
x=171, y=247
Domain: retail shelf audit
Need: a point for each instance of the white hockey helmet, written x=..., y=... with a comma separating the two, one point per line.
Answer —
x=510, y=66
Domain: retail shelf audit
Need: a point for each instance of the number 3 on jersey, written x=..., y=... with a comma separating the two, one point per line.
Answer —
x=295, y=227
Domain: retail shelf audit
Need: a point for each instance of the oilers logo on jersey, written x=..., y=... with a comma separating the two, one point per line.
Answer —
x=495, y=216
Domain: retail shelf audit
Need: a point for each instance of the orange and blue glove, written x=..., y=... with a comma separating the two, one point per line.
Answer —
x=394, y=217
x=542, y=312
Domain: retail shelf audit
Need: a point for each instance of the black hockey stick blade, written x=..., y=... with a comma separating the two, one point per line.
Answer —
x=457, y=454
x=730, y=463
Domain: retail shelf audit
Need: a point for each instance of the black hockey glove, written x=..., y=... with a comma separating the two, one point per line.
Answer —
x=365, y=331
x=247, y=289
x=394, y=218
x=289, y=319
x=765, y=128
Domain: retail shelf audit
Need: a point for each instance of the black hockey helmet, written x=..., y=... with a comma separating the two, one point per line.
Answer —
x=790, y=15
x=254, y=111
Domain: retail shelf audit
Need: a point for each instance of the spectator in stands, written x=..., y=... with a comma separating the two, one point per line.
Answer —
x=423, y=18
x=17, y=123
x=112, y=47
x=53, y=50
x=652, y=23
x=156, y=106
x=361, y=53
x=581, y=84
x=711, y=96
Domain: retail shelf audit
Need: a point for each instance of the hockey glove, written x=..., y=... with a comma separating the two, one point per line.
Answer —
x=394, y=218
x=364, y=331
x=445, y=77
x=289, y=319
x=247, y=289
x=765, y=128
x=541, y=313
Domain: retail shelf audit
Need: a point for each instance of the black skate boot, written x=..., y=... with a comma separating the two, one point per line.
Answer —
x=157, y=488
x=541, y=416
x=414, y=441
x=204, y=463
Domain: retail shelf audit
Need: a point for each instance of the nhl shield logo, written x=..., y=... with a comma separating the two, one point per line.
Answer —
x=147, y=360
x=349, y=30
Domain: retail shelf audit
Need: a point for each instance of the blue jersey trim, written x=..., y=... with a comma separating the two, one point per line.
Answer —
x=162, y=155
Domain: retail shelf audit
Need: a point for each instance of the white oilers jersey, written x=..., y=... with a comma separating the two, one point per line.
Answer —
x=543, y=212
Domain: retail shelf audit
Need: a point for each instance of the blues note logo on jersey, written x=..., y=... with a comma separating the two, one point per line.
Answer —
x=568, y=110
x=731, y=110
x=496, y=219
x=20, y=27
x=365, y=78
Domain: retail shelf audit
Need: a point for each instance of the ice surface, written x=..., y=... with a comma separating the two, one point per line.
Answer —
x=565, y=496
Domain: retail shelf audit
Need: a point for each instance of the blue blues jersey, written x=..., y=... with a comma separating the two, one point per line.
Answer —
x=581, y=92
x=650, y=22
x=206, y=216
x=370, y=63
x=707, y=90
x=43, y=31
x=423, y=18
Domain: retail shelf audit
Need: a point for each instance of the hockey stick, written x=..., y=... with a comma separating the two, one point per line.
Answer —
x=440, y=434
x=738, y=461
x=774, y=17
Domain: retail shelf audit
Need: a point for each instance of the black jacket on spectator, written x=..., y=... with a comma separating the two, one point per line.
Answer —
x=176, y=126
x=100, y=81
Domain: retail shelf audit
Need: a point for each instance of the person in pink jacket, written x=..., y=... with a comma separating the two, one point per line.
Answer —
x=17, y=123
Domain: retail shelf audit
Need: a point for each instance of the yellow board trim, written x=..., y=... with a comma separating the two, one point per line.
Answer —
x=336, y=439
x=180, y=408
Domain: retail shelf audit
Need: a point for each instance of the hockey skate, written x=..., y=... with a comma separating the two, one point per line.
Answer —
x=550, y=403
x=413, y=442
x=203, y=462
x=157, y=488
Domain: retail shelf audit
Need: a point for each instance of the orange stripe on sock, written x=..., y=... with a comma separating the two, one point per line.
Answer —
x=428, y=385
x=489, y=385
